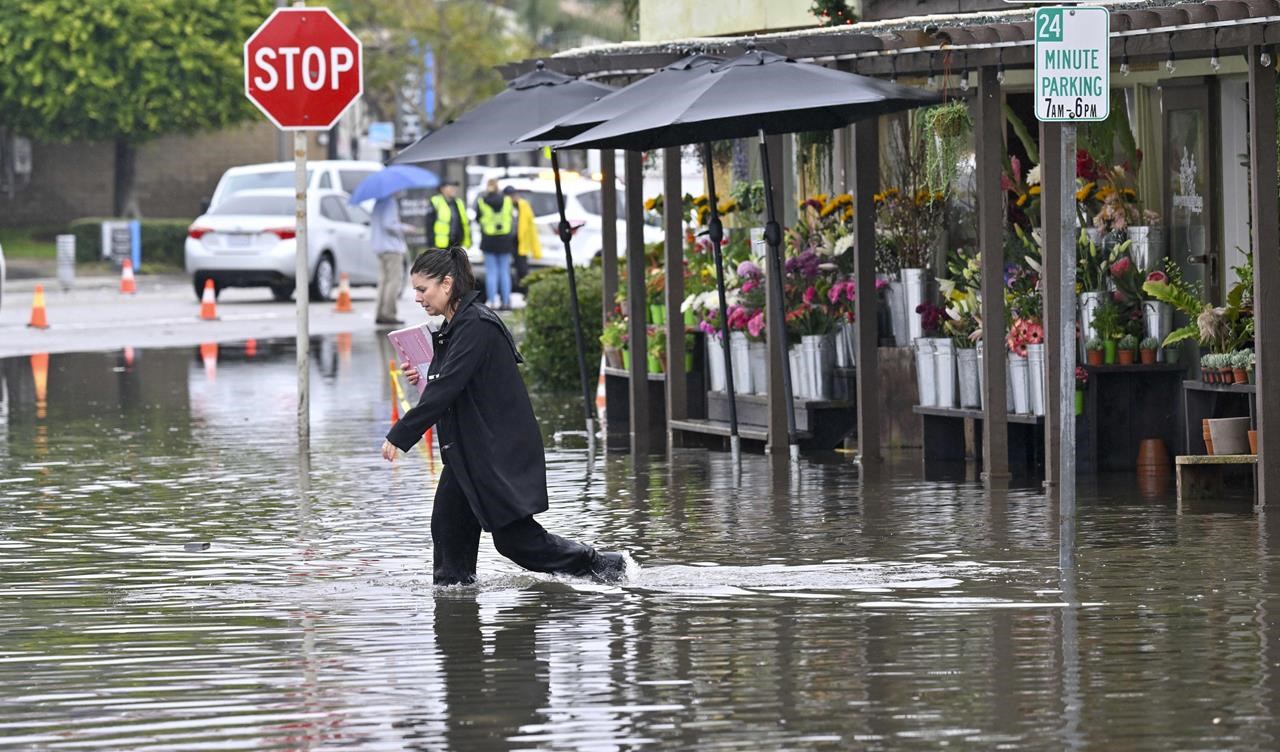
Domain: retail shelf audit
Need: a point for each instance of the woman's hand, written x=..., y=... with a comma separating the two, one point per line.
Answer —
x=410, y=373
x=389, y=451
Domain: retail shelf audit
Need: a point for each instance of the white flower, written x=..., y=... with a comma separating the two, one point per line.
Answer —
x=1033, y=176
x=690, y=304
x=844, y=244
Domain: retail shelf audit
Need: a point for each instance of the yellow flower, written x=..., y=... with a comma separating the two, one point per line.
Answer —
x=700, y=200
x=703, y=211
x=1129, y=193
x=651, y=203
x=878, y=198
x=1022, y=200
x=727, y=206
x=844, y=199
x=1085, y=190
x=1105, y=192
x=848, y=213
x=1033, y=190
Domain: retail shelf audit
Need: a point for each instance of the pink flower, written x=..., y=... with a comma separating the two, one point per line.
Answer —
x=748, y=286
x=748, y=269
x=881, y=284
x=756, y=325
x=1118, y=296
x=834, y=293
x=810, y=294
x=1157, y=276
x=1119, y=268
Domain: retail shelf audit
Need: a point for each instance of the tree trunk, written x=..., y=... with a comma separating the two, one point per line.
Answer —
x=125, y=200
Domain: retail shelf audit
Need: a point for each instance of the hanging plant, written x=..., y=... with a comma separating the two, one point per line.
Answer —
x=833, y=12
x=948, y=127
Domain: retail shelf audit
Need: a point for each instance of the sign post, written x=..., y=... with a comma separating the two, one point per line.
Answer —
x=1072, y=84
x=303, y=68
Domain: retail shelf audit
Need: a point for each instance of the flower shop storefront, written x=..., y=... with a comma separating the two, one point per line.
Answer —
x=1169, y=208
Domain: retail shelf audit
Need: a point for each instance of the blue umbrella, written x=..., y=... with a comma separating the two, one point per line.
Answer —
x=391, y=180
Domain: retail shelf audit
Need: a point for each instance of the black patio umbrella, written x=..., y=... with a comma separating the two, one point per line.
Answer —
x=529, y=101
x=642, y=94
x=757, y=94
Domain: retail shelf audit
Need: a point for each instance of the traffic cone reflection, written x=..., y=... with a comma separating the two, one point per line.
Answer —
x=38, y=318
x=127, y=284
x=40, y=375
x=344, y=294
x=208, y=302
x=128, y=356
x=344, y=348
x=209, y=356
x=250, y=348
x=395, y=395
x=601, y=402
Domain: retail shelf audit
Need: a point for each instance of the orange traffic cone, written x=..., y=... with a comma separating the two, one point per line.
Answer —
x=208, y=303
x=344, y=294
x=38, y=318
x=426, y=439
x=127, y=285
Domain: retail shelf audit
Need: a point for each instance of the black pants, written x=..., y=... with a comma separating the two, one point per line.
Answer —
x=520, y=271
x=455, y=537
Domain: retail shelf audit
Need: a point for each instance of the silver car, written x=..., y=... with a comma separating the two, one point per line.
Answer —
x=248, y=240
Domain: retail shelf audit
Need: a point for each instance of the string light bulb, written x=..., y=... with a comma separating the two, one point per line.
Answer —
x=1214, y=62
x=1169, y=64
x=1124, y=65
x=1000, y=74
x=964, y=82
x=1265, y=59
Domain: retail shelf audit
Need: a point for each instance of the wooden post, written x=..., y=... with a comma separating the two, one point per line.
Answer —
x=677, y=399
x=775, y=308
x=608, y=230
x=865, y=167
x=1052, y=202
x=989, y=129
x=1266, y=266
x=637, y=306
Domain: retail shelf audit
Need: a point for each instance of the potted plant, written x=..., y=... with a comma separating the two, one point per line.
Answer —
x=1106, y=323
x=655, y=284
x=1148, y=349
x=612, y=337
x=1207, y=372
x=1082, y=381
x=657, y=350
x=1128, y=343
x=1093, y=351
x=1253, y=359
x=1225, y=374
x=1240, y=366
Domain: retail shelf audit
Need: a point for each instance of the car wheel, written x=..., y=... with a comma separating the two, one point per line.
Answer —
x=282, y=293
x=198, y=284
x=322, y=280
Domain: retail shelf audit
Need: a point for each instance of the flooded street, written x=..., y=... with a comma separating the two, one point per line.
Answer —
x=172, y=576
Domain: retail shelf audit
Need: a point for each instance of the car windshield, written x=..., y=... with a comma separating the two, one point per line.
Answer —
x=249, y=180
x=592, y=202
x=542, y=203
x=256, y=205
x=351, y=178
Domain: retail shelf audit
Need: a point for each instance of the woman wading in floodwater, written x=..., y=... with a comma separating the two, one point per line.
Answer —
x=495, y=474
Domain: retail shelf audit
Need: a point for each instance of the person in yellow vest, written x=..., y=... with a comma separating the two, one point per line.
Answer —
x=496, y=214
x=447, y=220
x=528, y=246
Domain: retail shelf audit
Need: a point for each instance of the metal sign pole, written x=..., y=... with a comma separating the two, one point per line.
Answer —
x=300, y=280
x=1066, y=334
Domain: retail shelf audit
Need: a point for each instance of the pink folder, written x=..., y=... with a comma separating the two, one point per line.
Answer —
x=413, y=345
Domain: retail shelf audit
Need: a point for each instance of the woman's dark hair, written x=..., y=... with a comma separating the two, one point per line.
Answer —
x=438, y=263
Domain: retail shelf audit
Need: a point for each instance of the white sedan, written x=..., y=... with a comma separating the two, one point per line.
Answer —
x=248, y=240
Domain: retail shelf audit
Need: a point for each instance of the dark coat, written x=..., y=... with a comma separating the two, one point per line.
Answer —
x=476, y=399
x=496, y=243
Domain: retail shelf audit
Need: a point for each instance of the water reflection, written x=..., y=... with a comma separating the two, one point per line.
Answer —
x=177, y=574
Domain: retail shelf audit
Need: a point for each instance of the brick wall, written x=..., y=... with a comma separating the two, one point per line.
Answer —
x=175, y=173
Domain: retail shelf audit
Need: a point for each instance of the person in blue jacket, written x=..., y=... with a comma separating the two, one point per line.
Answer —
x=495, y=474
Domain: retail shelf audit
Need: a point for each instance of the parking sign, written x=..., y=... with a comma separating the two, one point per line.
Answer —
x=1073, y=63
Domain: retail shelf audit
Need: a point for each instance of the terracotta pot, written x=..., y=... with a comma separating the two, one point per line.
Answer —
x=1125, y=357
x=1148, y=357
x=1094, y=357
x=1239, y=376
x=1253, y=442
x=1152, y=453
x=1208, y=439
x=1225, y=376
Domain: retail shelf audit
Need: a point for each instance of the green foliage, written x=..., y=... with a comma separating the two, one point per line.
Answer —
x=1149, y=343
x=549, y=349
x=949, y=127
x=124, y=69
x=162, y=241
x=1106, y=321
x=1128, y=342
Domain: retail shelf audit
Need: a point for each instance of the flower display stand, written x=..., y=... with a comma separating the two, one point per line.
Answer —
x=1124, y=405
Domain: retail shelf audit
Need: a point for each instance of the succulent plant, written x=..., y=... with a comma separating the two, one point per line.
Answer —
x=1240, y=359
x=1093, y=343
x=1128, y=342
x=1149, y=343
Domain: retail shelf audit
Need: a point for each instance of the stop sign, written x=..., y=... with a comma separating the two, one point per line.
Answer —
x=302, y=68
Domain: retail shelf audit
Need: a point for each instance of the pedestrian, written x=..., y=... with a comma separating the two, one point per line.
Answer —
x=448, y=219
x=495, y=474
x=386, y=233
x=495, y=213
x=528, y=246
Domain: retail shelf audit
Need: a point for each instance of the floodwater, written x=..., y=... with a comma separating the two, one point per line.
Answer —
x=173, y=577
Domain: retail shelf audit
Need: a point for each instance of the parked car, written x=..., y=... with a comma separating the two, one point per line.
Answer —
x=584, y=208
x=248, y=240
x=322, y=174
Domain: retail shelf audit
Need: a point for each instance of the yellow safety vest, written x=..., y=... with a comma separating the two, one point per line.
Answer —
x=444, y=218
x=495, y=223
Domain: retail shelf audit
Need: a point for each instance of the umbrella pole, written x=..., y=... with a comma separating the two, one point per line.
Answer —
x=565, y=234
x=773, y=238
x=715, y=232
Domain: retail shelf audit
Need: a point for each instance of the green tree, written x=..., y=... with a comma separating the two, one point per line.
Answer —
x=124, y=71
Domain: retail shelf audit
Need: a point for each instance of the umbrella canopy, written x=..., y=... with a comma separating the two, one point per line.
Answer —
x=758, y=91
x=642, y=92
x=391, y=180
x=529, y=101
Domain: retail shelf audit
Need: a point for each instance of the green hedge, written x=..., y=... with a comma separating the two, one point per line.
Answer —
x=549, y=348
x=162, y=240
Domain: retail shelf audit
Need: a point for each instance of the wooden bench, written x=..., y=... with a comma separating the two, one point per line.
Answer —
x=1200, y=475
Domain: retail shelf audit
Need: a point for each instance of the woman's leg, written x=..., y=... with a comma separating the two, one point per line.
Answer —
x=504, y=279
x=455, y=534
x=490, y=277
x=528, y=544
